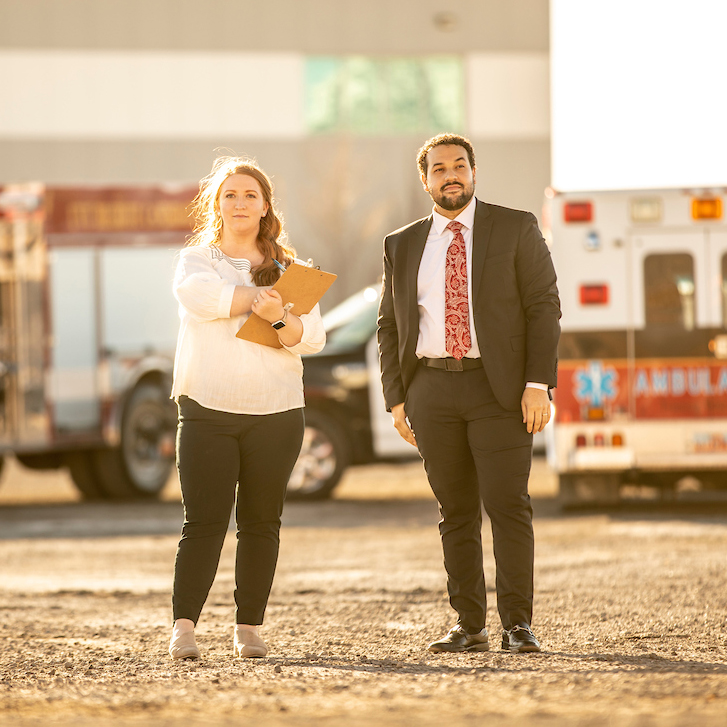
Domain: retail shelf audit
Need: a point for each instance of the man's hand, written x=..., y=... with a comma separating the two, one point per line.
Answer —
x=536, y=409
x=402, y=426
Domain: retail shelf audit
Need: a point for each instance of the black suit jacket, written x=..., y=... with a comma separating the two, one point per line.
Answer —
x=514, y=297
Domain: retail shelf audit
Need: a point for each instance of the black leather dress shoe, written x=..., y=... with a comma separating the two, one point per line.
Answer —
x=520, y=639
x=459, y=640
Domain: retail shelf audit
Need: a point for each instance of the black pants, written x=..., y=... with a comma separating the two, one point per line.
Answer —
x=475, y=451
x=219, y=454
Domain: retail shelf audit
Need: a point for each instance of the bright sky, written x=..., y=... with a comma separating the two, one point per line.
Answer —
x=638, y=93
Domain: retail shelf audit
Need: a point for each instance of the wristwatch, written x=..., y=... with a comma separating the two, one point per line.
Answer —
x=281, y=323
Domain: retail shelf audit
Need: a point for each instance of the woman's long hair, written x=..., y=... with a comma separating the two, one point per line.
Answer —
x=271, y=240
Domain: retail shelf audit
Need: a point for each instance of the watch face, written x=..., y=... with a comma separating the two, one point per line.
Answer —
x=278, y=325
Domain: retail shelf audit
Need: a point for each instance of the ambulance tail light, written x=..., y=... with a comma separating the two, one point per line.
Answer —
x=578, y=211
x=706, y=208
x=601, y=439
x=594, y=294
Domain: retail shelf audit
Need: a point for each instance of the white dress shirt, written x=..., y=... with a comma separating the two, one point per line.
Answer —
x=431, y=286
x=213, y=366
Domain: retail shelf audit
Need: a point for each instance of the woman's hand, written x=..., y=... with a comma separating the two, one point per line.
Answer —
x=243, y=297
x=268, y=305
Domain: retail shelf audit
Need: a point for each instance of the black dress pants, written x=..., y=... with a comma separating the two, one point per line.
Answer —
x=474, y=452
x=227, y=459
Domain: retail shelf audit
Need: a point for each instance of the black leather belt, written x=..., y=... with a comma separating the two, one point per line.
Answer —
x=451, y=364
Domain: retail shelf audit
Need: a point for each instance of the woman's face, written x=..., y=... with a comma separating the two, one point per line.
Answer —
x=242, y=204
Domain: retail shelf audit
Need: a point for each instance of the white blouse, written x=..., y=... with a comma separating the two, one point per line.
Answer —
x=213, y=366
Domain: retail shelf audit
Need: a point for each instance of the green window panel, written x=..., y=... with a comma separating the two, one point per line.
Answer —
x=374, y=96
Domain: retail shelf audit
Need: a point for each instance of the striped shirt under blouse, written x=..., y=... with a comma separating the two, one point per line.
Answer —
x=213, y=366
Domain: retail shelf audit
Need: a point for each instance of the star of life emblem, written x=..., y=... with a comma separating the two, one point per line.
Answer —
x=595, y=384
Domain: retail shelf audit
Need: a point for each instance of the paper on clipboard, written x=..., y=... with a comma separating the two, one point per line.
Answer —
x=299, y=284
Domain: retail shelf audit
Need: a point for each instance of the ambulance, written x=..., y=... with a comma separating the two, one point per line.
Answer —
x=642, y=373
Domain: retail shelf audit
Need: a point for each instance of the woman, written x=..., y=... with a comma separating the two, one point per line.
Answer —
x=240, y=403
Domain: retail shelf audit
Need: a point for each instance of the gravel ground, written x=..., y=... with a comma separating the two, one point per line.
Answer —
x=631, y=609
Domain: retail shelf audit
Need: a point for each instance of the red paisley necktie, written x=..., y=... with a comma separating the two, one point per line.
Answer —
x=456, y=304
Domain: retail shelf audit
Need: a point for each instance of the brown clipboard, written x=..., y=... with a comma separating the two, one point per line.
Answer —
x=300, y=285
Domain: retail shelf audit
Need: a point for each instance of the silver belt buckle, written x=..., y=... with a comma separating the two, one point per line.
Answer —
x=451, y=364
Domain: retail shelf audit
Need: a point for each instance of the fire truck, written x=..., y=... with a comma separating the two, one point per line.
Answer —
x=88, y=327
x=642, y=374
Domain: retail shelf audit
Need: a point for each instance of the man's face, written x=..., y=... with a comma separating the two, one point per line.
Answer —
x=450, y=180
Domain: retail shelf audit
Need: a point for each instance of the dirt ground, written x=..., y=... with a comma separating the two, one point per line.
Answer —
x=631, y=609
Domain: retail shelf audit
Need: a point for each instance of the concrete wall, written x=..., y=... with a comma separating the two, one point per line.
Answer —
x=134, y=91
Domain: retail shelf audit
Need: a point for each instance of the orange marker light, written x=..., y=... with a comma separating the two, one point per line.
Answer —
x=706, y=208
x=596, y=413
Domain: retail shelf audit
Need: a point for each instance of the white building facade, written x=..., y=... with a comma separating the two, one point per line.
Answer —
x=332, y=97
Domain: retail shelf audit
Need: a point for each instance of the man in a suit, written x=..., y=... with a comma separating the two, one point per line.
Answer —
x=468, y=332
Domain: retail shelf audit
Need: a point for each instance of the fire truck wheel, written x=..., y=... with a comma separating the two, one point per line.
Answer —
x=325, y=454
x=139, y=468
x=80, y=466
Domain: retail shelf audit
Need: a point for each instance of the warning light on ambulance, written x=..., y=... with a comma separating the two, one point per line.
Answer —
x=594, y=294
x=706, y=208
x=578, y=211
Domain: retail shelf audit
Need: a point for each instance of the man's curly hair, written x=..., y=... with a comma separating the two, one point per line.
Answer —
x=442, y=139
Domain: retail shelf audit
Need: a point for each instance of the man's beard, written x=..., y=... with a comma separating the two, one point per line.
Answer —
x=454, y=203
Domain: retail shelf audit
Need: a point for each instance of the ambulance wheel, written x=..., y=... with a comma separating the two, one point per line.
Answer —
x=324, y=456
x=714, y=479
x=140, y=466
x=587, y=489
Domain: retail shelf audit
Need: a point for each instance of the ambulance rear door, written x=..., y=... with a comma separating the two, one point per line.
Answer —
x=677, y=386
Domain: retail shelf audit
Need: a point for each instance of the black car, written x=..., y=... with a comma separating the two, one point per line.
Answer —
x=346, y=420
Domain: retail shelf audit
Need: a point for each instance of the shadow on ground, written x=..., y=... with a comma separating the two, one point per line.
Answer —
x=165, y=518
